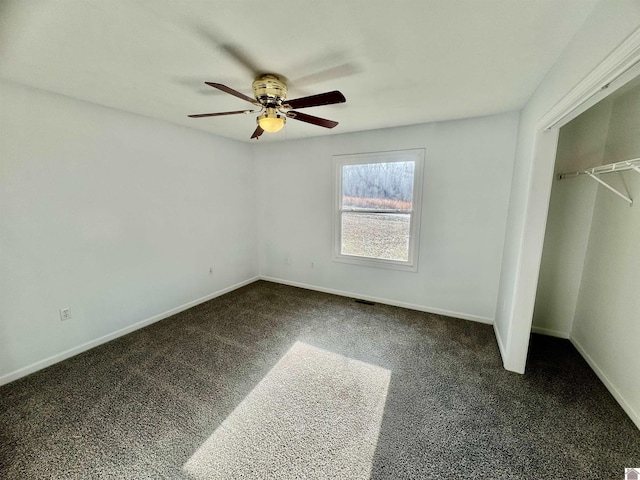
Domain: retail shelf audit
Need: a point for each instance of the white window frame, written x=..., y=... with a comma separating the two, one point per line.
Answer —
x=339, y=161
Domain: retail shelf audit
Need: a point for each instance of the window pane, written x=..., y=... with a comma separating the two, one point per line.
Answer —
x=378, y=185
x=376, y=235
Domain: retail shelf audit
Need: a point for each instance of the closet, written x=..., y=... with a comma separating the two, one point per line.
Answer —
x=589, y=284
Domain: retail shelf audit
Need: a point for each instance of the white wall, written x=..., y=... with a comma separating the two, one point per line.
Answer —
x=581, y=145
x=114, y=215
x=607, y=26
x=465, y=199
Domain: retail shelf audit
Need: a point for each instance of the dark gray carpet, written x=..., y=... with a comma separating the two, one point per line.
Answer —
x=190, y=388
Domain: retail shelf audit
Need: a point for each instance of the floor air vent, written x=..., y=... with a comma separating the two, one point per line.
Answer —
x=364, y=302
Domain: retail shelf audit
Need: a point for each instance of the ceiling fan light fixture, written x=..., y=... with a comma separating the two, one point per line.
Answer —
x=271, y=121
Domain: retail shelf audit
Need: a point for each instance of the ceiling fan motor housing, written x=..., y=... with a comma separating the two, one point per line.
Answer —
x=270, y=91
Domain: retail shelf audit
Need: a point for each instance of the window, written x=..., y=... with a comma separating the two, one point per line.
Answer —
x=378, y=197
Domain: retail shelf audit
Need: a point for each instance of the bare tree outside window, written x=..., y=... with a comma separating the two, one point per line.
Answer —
x=376, y=206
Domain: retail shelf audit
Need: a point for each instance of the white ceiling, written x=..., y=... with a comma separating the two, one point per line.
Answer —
x=397, y=62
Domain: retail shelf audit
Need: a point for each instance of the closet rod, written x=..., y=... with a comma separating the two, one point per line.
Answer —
x=633, y=164
x=610, y=168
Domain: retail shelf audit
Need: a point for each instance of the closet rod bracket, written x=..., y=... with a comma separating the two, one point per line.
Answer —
x=605, y=184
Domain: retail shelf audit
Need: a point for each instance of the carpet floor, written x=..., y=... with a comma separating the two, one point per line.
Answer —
x=271, y=381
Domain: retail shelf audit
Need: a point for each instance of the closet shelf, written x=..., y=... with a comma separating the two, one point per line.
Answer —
x=633, y=164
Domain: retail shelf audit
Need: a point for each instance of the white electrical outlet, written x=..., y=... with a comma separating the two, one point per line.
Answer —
x=65, y=313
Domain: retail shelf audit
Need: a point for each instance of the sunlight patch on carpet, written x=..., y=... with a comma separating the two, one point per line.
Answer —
x=316, y=414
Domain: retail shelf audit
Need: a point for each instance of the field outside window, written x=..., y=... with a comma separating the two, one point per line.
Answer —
x=378, y=203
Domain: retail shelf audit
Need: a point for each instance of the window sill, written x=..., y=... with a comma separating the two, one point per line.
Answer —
x=376, y=262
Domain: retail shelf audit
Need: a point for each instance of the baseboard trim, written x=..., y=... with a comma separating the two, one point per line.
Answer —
x=549, y=332
x=633, y=415
x=39, y=365
x=386, y=301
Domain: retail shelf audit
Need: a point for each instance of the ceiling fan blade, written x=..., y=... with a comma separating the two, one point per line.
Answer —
x=233, y=92
x=328, y=98
x=303, y=117
x=219, y=114
x=241, y=57
x=258, y=131
x=339, y=71
x=211, y=38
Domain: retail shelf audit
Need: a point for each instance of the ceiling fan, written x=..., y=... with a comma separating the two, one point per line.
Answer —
x=271, y=96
